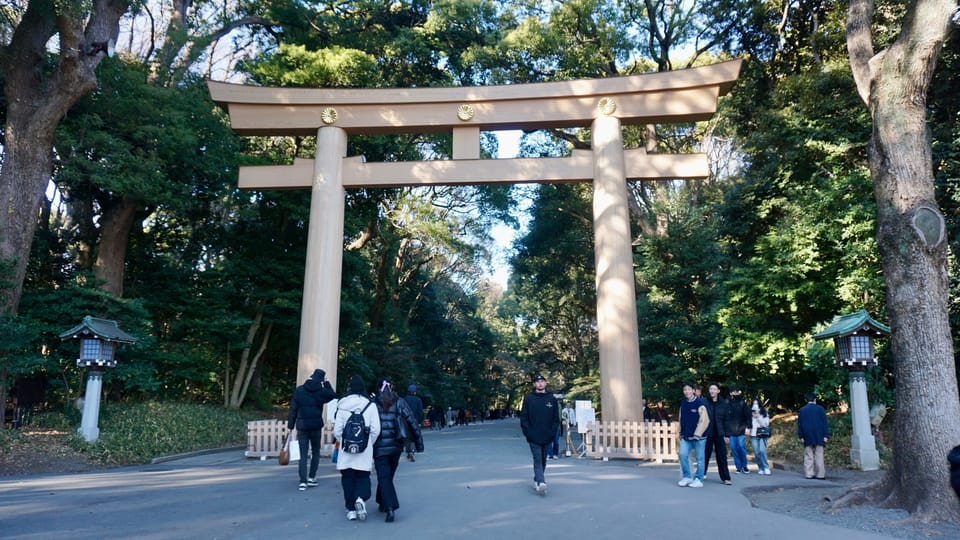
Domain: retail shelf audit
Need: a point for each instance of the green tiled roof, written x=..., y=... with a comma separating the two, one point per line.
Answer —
x=104, y=329
x=854, y=323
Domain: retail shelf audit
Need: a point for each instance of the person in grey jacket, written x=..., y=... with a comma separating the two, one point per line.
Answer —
x=398, y=427
x=306, y=414
x=539, y=420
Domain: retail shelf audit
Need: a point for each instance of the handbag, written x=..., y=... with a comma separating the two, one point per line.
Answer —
x=284, y=457
x=763, y=432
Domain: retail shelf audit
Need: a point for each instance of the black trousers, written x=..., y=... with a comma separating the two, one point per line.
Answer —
x=717, y=445
x=386, y=490
x=309, y=438
x=355, y=484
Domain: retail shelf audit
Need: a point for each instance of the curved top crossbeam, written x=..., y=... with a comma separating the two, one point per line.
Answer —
x=663, y=97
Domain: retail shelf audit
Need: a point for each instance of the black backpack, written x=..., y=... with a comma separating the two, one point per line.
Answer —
x=355, y=434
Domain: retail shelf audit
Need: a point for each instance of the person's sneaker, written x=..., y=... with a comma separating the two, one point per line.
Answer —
x=361, y=509
x=696, y=483
x=727, y=483
x=536, y=486
x=410, y=457
x=302, y=486
x=766, y=472
x=542, y=488
x=684, y=482
x=746, y=471
x=311, y=482
x=737, y=471
x=352, y=515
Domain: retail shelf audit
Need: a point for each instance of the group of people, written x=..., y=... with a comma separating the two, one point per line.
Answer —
x=709, y=425
x=392, y=424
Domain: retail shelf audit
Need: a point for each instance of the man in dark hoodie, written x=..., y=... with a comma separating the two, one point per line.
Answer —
x=539, y=420
x=718, y=410
x=306, y=414
x=739, y=422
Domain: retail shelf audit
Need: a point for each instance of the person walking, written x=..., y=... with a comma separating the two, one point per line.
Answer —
x=739, y=421
x=539, y=420
x=416, y=405
x=694, y=423
x=306, y=415
x=759, y=433
x=718, y=410
x=355, y=468
x=814, y=432
x=398, y=428
x=568, y=419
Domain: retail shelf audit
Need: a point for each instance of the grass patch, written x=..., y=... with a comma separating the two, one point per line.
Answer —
x=133, y=433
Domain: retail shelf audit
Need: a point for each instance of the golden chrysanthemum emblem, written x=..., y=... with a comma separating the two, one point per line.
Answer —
x=465, y=112
x=328, y=115
x=607, y=106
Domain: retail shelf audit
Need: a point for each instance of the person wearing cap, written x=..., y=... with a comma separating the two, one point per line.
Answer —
x=739, y=422
x=355, y=468
x=539, y=420
x=306, y=414
x=416, y=405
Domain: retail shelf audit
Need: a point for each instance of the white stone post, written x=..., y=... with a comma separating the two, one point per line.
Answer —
x=863, y=446
x=620, y=386
x=89, y=425
x=320, y=319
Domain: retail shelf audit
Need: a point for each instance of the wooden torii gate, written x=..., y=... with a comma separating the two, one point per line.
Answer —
x=601, y=104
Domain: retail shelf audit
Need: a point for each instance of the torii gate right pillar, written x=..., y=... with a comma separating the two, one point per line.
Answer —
x=620, y=386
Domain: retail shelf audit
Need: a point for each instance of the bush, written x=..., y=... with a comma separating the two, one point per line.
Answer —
x=138, y=432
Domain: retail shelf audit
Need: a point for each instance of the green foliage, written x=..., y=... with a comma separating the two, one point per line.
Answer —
x=138, y=432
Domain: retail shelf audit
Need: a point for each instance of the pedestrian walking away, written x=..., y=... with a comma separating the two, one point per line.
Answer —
x=398, y=425
x=306, y=414
x=416, y=405
x=540, y=422
x=814, y=432
x=355, y=467
x=718, y=411
x=694, y=423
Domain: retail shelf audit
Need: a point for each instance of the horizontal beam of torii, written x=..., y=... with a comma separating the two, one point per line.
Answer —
x=603, y=105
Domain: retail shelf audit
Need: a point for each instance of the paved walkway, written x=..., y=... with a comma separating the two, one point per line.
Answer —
x=472, y=482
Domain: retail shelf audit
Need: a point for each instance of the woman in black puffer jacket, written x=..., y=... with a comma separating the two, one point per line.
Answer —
x=397, y=422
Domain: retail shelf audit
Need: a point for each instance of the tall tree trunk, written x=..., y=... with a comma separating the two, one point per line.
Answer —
x=115, y=228
x=36, y=101
x=913, y=248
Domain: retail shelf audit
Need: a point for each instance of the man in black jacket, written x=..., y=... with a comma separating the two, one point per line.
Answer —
x=306, y=414
x=416, y=405
x=718, y=410
x=539, y=420
x=739, y=422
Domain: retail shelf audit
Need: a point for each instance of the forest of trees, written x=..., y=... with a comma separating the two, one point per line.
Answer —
x=119, y=184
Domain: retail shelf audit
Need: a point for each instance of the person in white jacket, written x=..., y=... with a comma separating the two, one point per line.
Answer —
x=761, y=419
x=355, y=468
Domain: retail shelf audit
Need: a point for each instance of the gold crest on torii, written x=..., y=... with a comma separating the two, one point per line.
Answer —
x=603, y=105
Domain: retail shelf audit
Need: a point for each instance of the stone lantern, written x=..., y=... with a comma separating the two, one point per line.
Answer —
x=98, y=342
x=853, y=337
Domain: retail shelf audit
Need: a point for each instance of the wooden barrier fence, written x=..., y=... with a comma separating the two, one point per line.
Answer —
x=265, y=438
x=656, y=441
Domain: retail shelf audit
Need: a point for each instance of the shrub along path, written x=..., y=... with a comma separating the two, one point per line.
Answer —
x=472, y=482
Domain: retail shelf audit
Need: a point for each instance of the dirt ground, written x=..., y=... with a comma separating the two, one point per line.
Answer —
x=41, y=450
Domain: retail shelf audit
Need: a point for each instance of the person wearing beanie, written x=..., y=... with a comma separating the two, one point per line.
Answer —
x=539, y=420
x=355, y=468
x=306, y=414
x=416, y=405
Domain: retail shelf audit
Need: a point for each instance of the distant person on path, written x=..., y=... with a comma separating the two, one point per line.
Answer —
x=450, y=416
x=416, y=405
x=953, y=458
x=759, y=423
x=539, y=420
x=718, y=410
x=814, y=432
x=355, y=468
x=739, y=422
x=398, y=427
x=694, y=423
x=568, y=419
x=436, y=418
x=306, y=414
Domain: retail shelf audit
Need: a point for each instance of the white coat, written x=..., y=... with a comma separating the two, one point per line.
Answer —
x=371, y=417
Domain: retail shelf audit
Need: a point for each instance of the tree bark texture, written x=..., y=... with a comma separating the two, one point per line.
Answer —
x=115, y=228
x=36, y=101
x=913, y=248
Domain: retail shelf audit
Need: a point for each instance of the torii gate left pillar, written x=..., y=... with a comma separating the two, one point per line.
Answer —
x=603, y=104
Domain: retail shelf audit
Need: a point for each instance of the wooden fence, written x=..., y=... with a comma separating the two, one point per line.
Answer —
x=655, y=441
x=265, y=438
